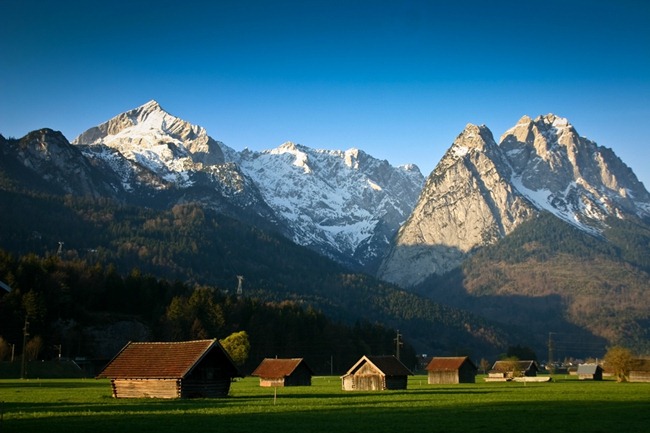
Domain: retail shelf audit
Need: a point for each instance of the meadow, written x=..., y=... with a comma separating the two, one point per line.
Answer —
x=563, y=405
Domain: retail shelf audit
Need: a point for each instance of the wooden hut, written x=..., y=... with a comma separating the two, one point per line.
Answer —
x=283, y=372
x=451, y=370
x=508, y=369
x=185, y=369
x=376, y=373
x=639, y=370
x=589, y=372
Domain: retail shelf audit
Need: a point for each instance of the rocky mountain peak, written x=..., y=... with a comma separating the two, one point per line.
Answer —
x=297, y=154
x=473, y=138
x=351, y=157
x=150, y=135
x=344, y=204
x=46, y=160
x=480, y=192
x=467, y=202
x=570, y=175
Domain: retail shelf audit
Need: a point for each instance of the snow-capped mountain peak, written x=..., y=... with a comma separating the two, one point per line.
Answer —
x=345, y=204
x=569, y=175
x=300, y=158
x=480, y=192
x=154, y=138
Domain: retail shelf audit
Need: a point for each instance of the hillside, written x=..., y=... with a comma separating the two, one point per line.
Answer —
x=191, y=244
x=548, y=277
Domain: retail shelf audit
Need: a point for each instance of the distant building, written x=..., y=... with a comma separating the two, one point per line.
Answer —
x=376, y=373
x=640, y=370
x=507, y=369
x=283, y=372
x=185, y=369
x=590, y=372
x=451, y=370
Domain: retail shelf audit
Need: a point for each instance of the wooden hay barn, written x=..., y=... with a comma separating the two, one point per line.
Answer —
x=185, y=369
x=640, y=370
x=376, y=373
x=506, y=370
x=590, y=372
x=451, y=370
x=283, y=372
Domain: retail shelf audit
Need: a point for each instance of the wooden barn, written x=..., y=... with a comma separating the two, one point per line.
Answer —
x=376, y=373
x=185, y=369
x=283, y=372
x=590, y=372
x=508, y=369
x=451, y=370
x=639, y=370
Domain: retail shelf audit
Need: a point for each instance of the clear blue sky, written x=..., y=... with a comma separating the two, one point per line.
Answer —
x=399, y=79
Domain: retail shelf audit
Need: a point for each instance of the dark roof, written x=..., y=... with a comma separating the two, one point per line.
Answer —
x=272, y=368
x=448, y=363
x=505, y=365
x=388, y=365
x=588, y=368
x=159, y=360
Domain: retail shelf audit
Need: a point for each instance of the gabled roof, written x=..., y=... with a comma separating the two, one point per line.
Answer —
x=448, y=363
x=160, y=360
x=388, y=365
x=588, y=368
x=521, y=365
x=272, y=368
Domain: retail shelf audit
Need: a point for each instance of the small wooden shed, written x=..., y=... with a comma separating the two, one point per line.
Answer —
x=376, y=373
x=508, y=369
x=590, y=372
x=451, y=370
x=185, y=369
x=283, y=372
x=639, y=370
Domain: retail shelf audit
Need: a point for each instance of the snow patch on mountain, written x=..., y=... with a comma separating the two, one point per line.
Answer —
x=342, y=203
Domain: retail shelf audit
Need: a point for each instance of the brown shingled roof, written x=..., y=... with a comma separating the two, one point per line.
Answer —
x=448, y=363
x=272, y=368
x=159, y=360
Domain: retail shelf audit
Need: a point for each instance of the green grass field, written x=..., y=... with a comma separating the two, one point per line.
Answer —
x=564, y=405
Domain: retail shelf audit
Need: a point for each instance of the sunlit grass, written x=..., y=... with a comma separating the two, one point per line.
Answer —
x=52, y=406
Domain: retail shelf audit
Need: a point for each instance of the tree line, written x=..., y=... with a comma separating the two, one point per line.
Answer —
x=62, y=300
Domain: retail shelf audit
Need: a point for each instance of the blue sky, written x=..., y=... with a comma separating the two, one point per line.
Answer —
x=398, y=79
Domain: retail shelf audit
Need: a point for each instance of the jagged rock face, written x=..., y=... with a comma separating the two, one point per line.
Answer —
x=60, y=167
x=150, y=135
x=466, y=202
x=480, y=192
x=164, y=160
x=344, y=204
x=574, y=178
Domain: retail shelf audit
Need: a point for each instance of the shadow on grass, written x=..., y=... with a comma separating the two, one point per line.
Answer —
x=532, y=417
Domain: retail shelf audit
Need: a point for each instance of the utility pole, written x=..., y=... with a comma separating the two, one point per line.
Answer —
x=550, y=352
x=398, y=343
x=23, y=367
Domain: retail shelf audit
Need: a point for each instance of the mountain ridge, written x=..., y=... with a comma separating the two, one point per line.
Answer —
x=386, y=221
x=346, y=205
x=539, y=165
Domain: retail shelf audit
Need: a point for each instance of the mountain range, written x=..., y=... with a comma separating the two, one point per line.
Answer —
x=433, y=237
